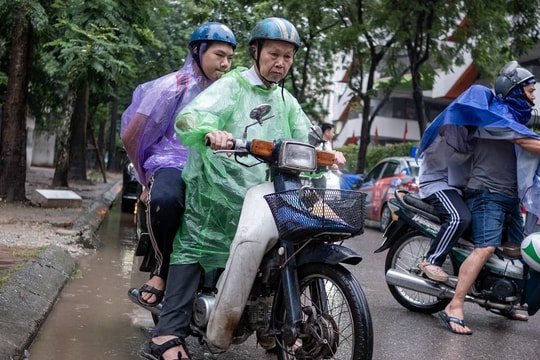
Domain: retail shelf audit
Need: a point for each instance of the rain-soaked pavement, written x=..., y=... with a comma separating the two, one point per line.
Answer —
x=94, y=319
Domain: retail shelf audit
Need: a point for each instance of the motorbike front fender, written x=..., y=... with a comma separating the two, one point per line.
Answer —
x=326, y=253
x=392, y=234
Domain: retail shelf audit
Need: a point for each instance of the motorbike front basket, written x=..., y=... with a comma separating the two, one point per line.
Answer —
x=309, y=213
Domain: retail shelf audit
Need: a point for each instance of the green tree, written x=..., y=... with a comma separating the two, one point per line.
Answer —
x=91, y=38
x=22, y=18
x=396, y=37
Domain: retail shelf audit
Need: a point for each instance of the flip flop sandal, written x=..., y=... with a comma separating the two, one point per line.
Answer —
x=150, y=289
x=154, y=351
x=450, y=319
x=511, y=315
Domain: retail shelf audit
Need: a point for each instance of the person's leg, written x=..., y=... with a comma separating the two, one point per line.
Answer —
x=319, y=183
x=487, y=224
x=515, y=231
x=165, y=208
x=455, y=218
x=174, y=319
x=516, y=226
x=468, y=272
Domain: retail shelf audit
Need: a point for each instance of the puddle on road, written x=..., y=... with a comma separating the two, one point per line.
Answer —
x=93, y=318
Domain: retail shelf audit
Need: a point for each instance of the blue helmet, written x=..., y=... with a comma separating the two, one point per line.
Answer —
x=213, y=31
x=275, y=28
x=511, y=77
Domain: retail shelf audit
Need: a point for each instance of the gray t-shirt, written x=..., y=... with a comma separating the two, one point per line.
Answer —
x=494, y=162
x=446, y=162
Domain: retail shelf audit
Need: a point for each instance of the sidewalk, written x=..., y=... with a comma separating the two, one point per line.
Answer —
x=39, y=248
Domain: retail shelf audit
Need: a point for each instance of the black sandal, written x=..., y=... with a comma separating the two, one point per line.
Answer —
x=154, y=351
x=152, y=290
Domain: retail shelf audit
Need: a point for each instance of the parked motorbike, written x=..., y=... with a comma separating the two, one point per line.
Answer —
x=500, y=287
x=304, y=303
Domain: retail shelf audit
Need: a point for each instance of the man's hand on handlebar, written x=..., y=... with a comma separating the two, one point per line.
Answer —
x=219, y=140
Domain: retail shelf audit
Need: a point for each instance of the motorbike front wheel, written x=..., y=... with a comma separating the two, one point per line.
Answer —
x=404, y=256
x=337, y=322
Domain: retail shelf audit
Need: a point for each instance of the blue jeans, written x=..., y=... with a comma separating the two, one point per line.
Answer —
x=489, y=211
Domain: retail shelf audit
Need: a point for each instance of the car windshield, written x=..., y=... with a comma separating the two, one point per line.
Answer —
x=414, y=167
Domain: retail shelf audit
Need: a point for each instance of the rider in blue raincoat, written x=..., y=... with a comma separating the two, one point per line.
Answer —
x=497, y=117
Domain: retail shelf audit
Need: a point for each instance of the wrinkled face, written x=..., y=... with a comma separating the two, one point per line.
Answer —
x=529, y=92
x=275, y=60
x=217, y=59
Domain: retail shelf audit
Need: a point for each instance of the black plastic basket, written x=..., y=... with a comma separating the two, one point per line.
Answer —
x=307, y=213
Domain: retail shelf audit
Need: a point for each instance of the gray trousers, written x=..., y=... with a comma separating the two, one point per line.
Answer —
x=180, y=293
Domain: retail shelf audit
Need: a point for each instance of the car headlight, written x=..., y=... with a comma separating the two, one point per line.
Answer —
x=297, y=156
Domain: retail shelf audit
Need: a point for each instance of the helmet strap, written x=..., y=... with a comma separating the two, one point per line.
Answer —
x=197, y=52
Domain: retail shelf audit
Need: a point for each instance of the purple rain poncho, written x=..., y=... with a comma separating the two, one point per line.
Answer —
x=216, y=184
x=161, y=100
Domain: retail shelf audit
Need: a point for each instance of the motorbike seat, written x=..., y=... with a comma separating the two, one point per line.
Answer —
x=420, y=206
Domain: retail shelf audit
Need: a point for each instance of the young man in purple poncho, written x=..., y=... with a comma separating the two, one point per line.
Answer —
x=150, y=140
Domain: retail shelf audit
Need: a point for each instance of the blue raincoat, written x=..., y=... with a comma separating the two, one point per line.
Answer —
x=478, y=106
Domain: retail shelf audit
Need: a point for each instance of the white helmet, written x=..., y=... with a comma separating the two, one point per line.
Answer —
x=530, y=250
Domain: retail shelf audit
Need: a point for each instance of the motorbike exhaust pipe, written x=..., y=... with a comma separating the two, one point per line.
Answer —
x=133, y=295
x=439, y=290
x=415, y=283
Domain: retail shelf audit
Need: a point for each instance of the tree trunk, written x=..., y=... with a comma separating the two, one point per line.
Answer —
x=13, y=124
x=63, y=137
x=78, y=148
x=111, y=164
x=364, y=136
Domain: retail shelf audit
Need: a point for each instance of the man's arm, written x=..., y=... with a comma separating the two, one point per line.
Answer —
x=529, y=144
x=132, y=134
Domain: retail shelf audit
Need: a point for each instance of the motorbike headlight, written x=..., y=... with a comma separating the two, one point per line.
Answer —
x=297, y=156
x=131, y=169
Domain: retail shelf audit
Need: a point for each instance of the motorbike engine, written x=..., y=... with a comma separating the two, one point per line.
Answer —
x=257, y=312
x=499, y=289
x=202, y=307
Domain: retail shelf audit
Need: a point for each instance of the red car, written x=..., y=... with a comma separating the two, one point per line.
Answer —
x=400, y=172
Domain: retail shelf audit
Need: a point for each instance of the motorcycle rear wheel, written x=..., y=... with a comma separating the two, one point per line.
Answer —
x=404, y=256
x=337, y=322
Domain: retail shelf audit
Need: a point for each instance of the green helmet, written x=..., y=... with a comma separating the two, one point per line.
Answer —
x=511, y=77
x=275, y=28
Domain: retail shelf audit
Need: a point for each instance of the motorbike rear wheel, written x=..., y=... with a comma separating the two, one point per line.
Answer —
x=337, y=323
x=404, y=256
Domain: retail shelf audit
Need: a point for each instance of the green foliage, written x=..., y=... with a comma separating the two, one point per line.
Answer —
x=374, y=154
x=116, y=44
x=351, y=153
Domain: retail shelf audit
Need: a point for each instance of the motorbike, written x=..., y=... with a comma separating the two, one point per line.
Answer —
x=304, y=304
x=500, y=287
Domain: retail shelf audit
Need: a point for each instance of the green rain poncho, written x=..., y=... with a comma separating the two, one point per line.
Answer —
x=216, y=184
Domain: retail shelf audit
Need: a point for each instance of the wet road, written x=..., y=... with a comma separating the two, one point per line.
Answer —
x=94, y=319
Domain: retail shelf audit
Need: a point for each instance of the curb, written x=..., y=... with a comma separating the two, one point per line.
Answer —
x=29, y=295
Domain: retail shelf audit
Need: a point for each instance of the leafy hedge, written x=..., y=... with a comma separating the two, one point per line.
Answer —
x=374, y=154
